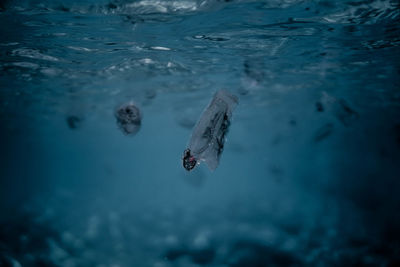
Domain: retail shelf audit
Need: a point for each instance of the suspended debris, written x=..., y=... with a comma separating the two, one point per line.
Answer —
x=208, y=136
x=129, y=118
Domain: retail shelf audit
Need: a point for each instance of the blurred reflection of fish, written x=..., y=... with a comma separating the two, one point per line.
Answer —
x=208, y=136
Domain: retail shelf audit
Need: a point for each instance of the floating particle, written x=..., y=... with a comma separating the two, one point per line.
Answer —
x=208, y=136
x=293, y=122
x=128, y=118
x=340, y=108
x=74, y=122
x=323, y=132
x=344, y=113
x=319, y=106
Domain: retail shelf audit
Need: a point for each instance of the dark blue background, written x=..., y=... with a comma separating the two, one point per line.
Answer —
x=310, y=170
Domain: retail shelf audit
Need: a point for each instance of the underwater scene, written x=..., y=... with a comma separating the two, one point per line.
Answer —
x=187, y=133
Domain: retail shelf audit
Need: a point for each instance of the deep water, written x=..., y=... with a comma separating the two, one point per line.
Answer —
x=310, y=171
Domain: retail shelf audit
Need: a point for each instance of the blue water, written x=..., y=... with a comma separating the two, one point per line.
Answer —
x=309, y=175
